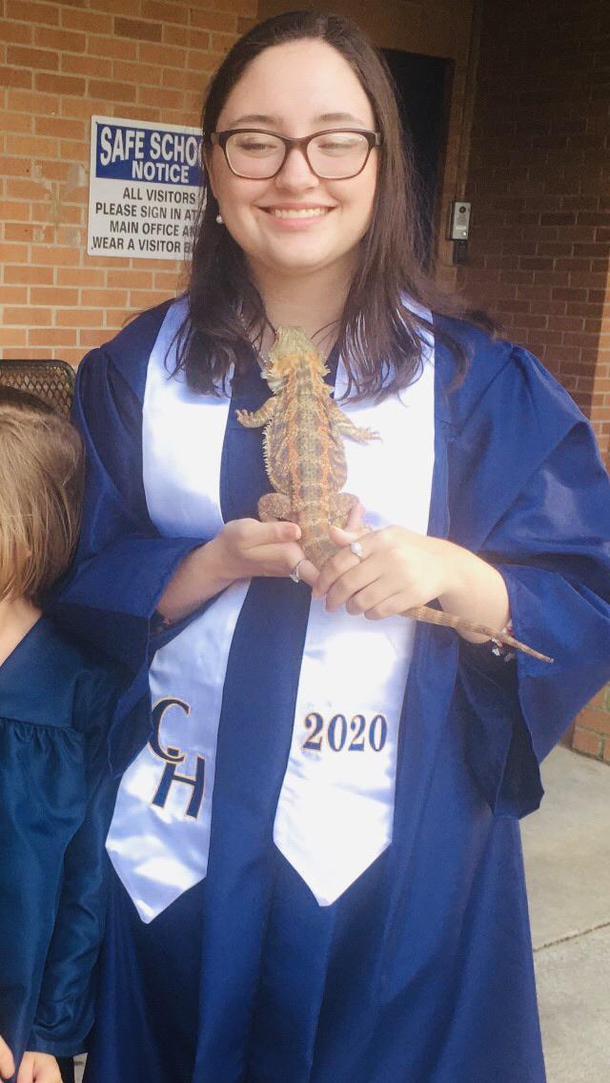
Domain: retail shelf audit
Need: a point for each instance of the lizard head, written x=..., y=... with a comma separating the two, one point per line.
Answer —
x=292, y=350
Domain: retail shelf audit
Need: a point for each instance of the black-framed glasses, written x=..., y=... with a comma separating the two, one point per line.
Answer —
x=335, y=154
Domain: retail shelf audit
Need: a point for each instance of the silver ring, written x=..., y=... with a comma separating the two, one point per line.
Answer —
x=294, y=575
x=356, y=549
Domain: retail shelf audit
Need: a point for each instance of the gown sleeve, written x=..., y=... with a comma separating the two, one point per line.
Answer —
x=64, y=1013
x=549, y=536
x=123, y=564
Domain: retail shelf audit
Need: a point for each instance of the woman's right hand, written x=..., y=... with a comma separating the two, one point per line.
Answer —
x=7, y=1064
x=244, y=549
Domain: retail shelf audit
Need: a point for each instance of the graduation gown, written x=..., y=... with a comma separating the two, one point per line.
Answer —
x=56, y=795
x=422, y=970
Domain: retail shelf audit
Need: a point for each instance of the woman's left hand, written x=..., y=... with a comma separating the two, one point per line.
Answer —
x=397, y=571
x=38, y=1068
x=400, y=570
x=7, y=1064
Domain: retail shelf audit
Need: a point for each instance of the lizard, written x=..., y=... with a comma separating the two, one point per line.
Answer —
x=303, y=432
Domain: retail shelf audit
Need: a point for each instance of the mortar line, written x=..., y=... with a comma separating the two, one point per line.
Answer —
x=572, y=936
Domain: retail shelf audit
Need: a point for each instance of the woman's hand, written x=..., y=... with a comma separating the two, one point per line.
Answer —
x=247, y=548
x=38, y=1068
x=7, y=1064
x=244, y=548
x=400, y=570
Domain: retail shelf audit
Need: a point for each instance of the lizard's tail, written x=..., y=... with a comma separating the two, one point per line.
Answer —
x=316, y=544
x=438, y=616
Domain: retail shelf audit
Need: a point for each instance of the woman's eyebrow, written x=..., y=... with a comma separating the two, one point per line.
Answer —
x=323, y=118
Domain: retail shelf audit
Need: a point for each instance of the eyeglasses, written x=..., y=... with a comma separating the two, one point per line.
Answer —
x=338, y=154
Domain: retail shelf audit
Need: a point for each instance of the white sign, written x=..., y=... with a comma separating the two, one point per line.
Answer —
x=143, y=189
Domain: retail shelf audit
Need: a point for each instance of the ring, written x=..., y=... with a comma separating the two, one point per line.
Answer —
x=294, y=575
x=356, y=549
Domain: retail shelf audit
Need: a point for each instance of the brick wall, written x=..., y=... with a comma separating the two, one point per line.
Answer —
x=540, y=187
x=539, y=181
x=59, y=64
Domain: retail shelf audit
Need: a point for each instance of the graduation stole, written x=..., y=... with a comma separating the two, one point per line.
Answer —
x=335, y=811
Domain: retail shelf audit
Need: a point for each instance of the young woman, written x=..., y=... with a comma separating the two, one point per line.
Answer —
x=55, y=788
x=299, y=899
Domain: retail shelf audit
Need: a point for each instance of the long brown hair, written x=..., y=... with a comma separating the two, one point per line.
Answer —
x=375, y=327
x=41, y=483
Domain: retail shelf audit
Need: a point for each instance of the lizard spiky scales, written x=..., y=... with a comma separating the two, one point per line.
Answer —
x=305, y=461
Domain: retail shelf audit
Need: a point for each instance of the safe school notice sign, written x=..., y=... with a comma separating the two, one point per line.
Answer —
x=143, y=189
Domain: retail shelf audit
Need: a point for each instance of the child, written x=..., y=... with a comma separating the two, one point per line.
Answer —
x=56, y=793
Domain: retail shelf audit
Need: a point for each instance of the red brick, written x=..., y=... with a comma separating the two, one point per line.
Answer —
x=105, y=298
x=165, y=55
x=19, y=33
x=52, y=336
x=589, y=743
x=79, y=317
x=80, y=276
x=115, y=92
x=596, y=719
x=60, y=84
x=27, y=316
x=11, y=337
x=28, y=102
x=65, y=41
x=25, y=273
x=60, y=127
x=73, y=64
x=15, y=122
x=164, y=12
x=91, y=22
x=13, y=295
x=142, y=74
x=112, y=47
x=16, y=77
x=35, y=13
x=137, y=29
x=19, y=56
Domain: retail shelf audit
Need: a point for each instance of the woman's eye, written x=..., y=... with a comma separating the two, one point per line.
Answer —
x=256, y=146
x=338, y=145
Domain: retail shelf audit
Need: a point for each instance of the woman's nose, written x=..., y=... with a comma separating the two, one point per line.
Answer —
x=296, y=171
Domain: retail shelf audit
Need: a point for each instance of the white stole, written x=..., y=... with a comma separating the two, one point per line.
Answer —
x=335, y=810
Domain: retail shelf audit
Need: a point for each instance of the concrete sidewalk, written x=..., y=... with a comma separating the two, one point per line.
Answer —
x=567, y=856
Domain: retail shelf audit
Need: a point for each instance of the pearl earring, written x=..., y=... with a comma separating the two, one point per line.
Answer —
x=219, y=219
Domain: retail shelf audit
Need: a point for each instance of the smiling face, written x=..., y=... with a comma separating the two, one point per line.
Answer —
x=295, y=223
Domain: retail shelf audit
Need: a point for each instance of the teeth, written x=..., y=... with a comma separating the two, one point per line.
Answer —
x=309, y=212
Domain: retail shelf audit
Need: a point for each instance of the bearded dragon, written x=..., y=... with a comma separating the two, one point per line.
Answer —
x=306, y=465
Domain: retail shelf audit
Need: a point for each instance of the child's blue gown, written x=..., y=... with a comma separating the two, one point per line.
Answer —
x=56, y=794
x=421, y=972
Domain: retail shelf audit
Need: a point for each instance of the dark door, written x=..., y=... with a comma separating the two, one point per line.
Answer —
x=423, y=92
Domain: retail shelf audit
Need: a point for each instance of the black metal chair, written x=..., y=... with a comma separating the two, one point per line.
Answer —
x=52, y=381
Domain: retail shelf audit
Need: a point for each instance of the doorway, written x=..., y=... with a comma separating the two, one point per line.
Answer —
x=423, y=84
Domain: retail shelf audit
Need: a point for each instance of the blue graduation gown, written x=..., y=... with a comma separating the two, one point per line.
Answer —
x=56, y=795
x=422, y=971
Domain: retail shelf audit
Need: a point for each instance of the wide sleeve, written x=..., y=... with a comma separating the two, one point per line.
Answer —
x=551, y=542
x=64, y=1014
x=122, y=565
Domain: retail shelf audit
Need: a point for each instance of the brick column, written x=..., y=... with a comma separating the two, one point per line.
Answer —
x=592, y=731
x=540, y=188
